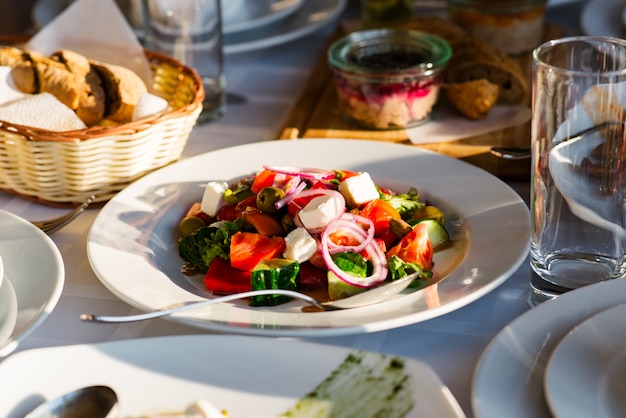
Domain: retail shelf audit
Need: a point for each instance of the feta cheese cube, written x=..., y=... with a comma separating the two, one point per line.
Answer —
x=358, y=190
x=299, y=245
x=213, y=197
x=320, y=211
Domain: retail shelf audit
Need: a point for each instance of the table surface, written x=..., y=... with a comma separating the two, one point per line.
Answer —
x=271, y=80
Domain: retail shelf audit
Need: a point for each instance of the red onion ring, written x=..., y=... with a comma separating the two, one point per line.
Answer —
x=291, y=193
x=350, y=222
x=379, y=261
x=379, y=271
x=311, y=173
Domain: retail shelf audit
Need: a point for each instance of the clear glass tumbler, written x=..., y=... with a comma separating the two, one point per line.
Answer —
x=578, y=183
x=191, y=32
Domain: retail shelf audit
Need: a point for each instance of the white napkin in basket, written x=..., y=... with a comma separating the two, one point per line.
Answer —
x=43, y=111
x=8, y=90
x=98, y=30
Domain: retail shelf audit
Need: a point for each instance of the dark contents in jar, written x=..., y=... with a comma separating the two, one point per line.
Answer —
x=388, y=60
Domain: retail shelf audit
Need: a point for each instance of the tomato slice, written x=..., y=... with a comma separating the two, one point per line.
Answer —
x=345, y=174
x=414, y=247
x=248, y=202
x=264, y=178
x=317, y=259
x=223, y=279
x=196, y=210
x=228, y=213
x=381, y=212
x=263, y=223
x=248, y=248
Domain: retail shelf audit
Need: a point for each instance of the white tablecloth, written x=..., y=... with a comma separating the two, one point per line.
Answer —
x=271, y=80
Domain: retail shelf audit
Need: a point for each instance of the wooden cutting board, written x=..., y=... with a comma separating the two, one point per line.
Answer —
x=316, y=115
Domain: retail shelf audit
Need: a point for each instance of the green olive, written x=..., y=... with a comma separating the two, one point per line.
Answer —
x=266, y=199
x=189, y=224
x=287, y=223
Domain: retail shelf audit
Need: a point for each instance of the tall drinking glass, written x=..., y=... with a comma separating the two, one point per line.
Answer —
x=578, y=188
x=191, y=31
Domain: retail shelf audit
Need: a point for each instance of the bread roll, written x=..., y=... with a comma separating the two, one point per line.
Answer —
x=122, y=87
x=9, y=56
x=475, y=59
x=473, y=99
x=96, y=91
x=91, y=104
x=40, y=74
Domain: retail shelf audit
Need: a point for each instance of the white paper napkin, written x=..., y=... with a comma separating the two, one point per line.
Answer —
x=449, y=125
x=98, y=30
x=43, y=111
x=8, y=91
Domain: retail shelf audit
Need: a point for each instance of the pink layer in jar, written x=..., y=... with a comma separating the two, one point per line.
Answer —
x=388, y=78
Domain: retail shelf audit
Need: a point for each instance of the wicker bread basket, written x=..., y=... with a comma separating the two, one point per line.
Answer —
x=65, y=168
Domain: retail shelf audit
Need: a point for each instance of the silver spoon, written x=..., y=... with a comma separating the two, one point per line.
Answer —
x=368, y=297
x=91, y=401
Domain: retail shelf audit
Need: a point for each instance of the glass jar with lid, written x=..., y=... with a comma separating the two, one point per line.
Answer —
x=388, y=78
x=514, y=26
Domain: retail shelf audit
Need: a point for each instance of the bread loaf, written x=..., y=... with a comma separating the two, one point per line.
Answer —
x=91, y=103
x=474, y=98
x=96, y=91
x=474, y=68
x=123, y=88
x=9, y=56
x=475, y=59
x=40, y=74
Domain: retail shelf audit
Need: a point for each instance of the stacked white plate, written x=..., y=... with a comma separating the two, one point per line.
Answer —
x=248, y=24
x=247, y=376
x=31, y=280
x=564, y=358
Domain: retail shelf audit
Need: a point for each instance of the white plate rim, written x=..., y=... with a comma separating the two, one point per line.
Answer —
x=302, y=22
x=38, y=286
x=178, y=371
x=579, y=397
x=603, y=18
x=514, y=360
x=8, y=312
x=477, y=275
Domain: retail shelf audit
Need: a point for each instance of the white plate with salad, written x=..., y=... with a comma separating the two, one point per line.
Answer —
x=244, y=376
x=133, y=243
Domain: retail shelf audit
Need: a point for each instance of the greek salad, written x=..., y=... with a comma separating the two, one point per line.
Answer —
x=330, y=232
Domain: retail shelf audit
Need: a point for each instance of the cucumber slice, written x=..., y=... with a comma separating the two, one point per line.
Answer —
x=338, y=289
x=276, y=273
x=437, y=233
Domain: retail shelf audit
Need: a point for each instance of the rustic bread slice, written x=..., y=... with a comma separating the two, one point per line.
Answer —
x=474, y=99
x=91, y=105
x=474, y=58
x=40, y=74
x=10, y=55
x=513, y=85
x=122, y=87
